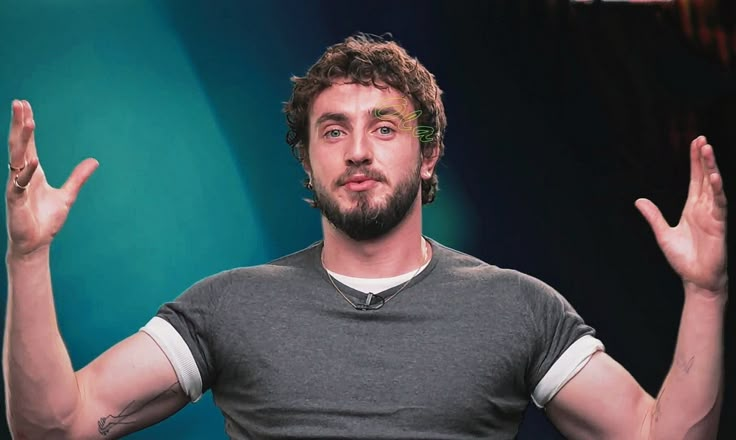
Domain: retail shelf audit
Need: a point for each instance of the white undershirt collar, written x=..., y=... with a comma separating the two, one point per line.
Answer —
x=375, y=285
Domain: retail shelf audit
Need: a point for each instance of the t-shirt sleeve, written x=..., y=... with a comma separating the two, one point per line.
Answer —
x=183, y=330
x=562, y=342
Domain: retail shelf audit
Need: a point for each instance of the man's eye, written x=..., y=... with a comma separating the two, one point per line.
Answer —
x=333, y=133
x=385, y=130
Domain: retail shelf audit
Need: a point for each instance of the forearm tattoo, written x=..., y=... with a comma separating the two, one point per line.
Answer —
x=685, y=366
x=107, y=423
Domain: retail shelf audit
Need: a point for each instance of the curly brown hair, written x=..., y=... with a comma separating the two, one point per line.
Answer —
x=369, y=60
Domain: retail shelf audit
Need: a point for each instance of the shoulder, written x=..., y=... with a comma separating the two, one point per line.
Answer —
x=295, y=265
x=514, y=284
x=459, y=266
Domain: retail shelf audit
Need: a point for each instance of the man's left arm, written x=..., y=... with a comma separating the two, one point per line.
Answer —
x=603, y=400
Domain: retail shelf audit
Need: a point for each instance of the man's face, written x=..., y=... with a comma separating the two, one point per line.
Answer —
x=365, y=169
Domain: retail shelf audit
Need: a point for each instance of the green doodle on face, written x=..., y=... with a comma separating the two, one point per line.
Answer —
x=386, y=105
x=422, y=132
x=408, y=118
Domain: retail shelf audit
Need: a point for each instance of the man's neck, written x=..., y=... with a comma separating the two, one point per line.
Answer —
x=401, y=250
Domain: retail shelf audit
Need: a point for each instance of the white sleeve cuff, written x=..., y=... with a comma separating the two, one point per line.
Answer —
x=565, y=368
x=176, y=349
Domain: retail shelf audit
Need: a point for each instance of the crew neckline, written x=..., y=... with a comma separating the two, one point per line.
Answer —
x=388, y=292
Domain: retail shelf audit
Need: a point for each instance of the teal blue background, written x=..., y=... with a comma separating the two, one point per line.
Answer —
x=195, y=175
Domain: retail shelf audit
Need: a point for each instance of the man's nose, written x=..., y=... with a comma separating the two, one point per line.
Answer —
x=358, y=150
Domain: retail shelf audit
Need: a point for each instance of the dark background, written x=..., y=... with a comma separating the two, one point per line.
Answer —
x=560, y=116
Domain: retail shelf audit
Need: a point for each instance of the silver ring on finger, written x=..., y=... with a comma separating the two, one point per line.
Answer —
x=12, y=168
x=18, y=185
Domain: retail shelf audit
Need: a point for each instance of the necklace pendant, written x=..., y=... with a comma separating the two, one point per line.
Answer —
x=369, y=298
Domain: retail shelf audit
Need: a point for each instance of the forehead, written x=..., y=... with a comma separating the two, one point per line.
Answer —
x=353, y=99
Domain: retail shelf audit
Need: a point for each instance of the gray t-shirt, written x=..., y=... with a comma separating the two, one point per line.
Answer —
x=455, y=355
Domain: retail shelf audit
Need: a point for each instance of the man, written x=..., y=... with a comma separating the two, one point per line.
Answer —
x=376, y=331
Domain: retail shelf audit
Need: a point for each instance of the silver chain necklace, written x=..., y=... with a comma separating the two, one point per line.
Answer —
x=367, y=305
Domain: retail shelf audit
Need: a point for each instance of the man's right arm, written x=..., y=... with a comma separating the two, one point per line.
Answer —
x=130, y=386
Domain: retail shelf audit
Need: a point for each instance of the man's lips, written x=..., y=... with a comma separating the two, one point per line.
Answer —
x=360, y=183
x=357, y=179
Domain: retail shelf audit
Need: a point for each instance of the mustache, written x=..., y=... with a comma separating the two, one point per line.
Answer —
x=369, y=173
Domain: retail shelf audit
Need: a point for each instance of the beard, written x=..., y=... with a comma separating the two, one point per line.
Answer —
x=369, y=219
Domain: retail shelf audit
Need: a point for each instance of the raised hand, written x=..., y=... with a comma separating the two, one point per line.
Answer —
x=696, y=247
x=35, y=210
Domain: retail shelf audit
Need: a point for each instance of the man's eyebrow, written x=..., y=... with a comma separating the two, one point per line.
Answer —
x=331, y=116
x=384, y=112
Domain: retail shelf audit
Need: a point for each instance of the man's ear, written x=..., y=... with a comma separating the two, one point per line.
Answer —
x=307, y=167
x=429, y=161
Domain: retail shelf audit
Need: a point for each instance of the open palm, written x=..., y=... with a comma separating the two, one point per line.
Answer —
x=696, y=247
x=35, y=210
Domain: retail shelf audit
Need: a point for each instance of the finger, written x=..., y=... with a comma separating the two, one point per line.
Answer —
x=653, y=216
x=719, y=195
x=78, y=177
x=19, y=151
x=708, y=158
x=16, y=115
x=22, y=178
x=16, y=126
x=31, y=122
x=696, y=166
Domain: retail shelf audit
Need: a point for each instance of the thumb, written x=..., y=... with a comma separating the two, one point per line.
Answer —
x=653, y=216
x=78, y=177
